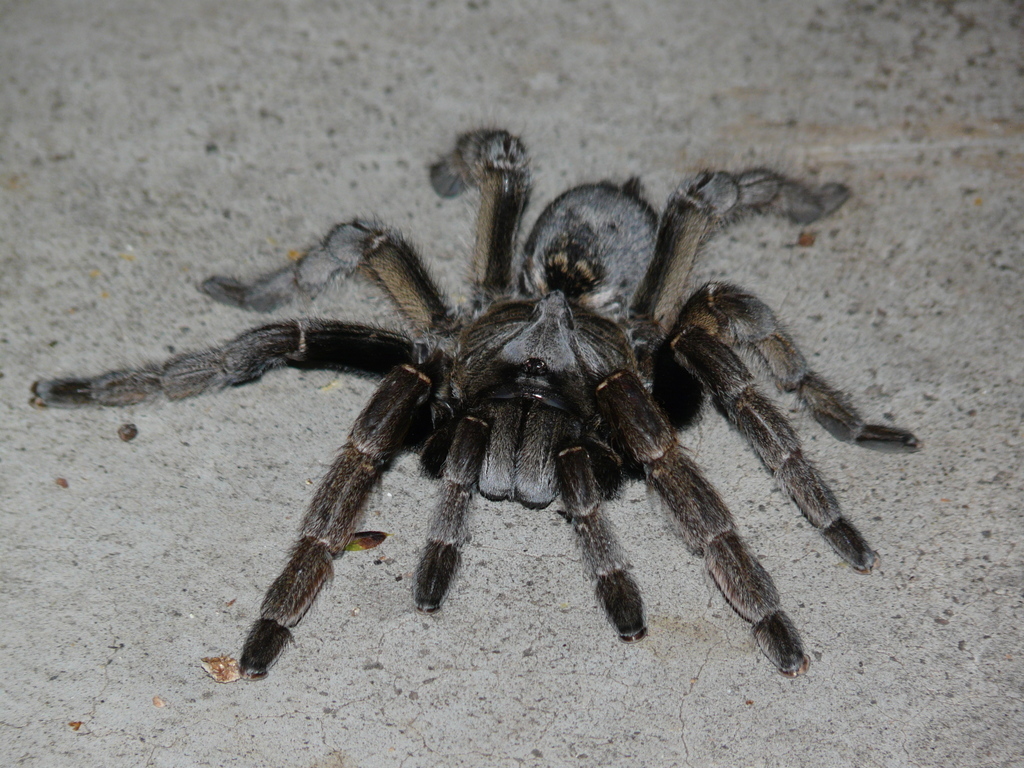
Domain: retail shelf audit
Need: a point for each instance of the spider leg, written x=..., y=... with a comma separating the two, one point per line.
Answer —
x=602, y=553
x=496, y=162
x=303, y=343
x=705, y=521
x=703, y=205
x=334, y=513
x=380, y=252
x=740, y=319
x=733, y=390
x=448, y=531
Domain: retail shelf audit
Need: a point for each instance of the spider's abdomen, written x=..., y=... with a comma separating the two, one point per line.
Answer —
x=595, y=241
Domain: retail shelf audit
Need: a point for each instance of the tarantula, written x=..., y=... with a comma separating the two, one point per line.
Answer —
x=570, y=368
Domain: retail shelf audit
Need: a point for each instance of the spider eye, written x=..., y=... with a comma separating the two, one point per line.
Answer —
x=535, y=367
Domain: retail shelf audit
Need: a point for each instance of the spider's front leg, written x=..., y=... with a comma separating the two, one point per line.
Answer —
x=705, y=521
x=496, y=162
x=308, y=343
x=334, y=514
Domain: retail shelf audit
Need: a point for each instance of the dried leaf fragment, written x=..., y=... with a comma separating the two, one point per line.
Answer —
x=223, y=669
x=806, y=238
x=366, y=540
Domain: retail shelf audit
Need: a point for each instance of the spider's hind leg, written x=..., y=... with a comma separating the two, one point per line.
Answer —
x=380, y=252
x=497, y=163
x=700, y=207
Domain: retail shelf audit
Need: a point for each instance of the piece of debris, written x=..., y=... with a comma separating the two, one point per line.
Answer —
x=127, y=432
x=365, y=540
x=806, y=238
x=223, y=669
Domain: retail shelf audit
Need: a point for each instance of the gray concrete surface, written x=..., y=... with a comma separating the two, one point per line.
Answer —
x=145, y=145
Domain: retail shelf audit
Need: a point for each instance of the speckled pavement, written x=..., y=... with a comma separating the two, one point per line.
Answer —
x=146, y=145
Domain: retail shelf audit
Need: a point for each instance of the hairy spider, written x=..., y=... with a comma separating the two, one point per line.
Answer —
x=573, y=364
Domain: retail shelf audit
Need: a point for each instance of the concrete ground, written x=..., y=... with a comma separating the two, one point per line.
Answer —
x=145, y=145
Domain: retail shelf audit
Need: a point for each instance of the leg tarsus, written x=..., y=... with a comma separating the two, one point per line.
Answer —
x=834, y=412
x=446, y=179
x=438, y=565
x=766, y=191
x=620, y=596
x=264, y=294
x=829, y=197
x=850, y=545
x=116, y=388
x=880, y=437
x=263, y=646
x=780, y=643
